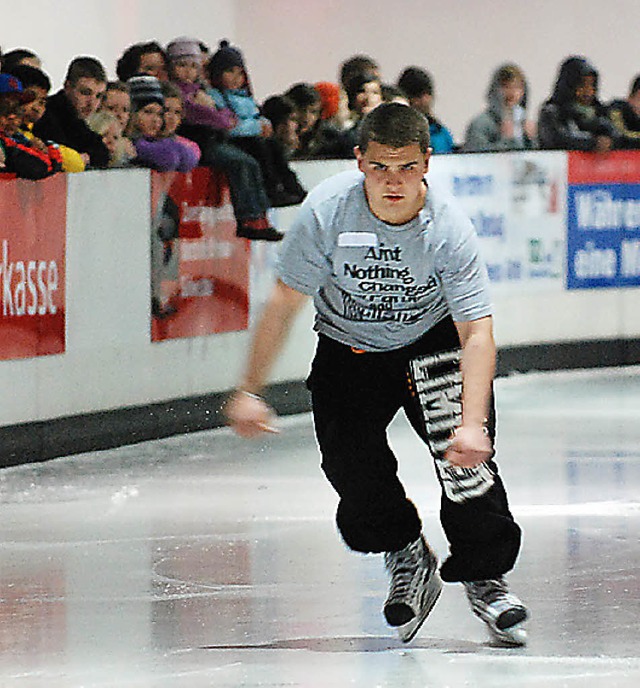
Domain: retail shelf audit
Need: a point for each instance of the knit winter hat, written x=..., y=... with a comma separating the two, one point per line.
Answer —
x=184, y=47
x=225, y=58
x=144, y=90
x=330, y=97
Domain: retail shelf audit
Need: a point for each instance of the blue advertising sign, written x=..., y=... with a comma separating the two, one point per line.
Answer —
x=603, y=236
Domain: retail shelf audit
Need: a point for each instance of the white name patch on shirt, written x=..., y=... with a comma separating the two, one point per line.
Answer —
x=353, y=239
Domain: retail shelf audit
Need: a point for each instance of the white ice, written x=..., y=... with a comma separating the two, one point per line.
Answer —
x=206, y=560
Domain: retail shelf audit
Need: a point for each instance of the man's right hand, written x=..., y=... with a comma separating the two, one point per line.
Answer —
x=249, y=415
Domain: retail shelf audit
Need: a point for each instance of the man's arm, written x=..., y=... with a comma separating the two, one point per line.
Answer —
x=247, y=413
x=470, y=445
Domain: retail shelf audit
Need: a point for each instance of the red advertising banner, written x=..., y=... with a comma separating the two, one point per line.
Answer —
x=199, y=268
x=32, y=267
x=617, y=167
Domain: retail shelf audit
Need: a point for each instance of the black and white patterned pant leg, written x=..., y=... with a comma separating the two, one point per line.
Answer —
x=436, y=381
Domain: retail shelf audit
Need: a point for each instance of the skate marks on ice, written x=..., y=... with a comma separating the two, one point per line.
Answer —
x=355, y=644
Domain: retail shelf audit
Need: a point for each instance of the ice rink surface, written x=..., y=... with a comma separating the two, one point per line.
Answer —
x=206, y=560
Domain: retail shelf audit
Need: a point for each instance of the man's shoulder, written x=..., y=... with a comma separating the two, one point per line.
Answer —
x=339, y=185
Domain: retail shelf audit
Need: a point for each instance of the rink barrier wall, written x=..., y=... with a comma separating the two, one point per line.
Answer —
x=113, y=385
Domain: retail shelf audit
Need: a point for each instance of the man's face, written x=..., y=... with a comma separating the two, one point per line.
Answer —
x=422, y=103
x=34, y=110
x=394, y=180
x=85, y=95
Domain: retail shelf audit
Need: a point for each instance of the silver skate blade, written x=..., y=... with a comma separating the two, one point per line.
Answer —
x=408, y=632
x=516, y=636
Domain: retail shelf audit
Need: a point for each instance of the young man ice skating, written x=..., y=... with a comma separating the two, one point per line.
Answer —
x=403, y=321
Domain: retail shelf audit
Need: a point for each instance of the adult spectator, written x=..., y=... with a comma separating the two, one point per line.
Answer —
x=142, y=58
x=504, y=124
x=37, y=85
x=417, y=84
x=573, y=118
x=625, y=115
x=65, y=117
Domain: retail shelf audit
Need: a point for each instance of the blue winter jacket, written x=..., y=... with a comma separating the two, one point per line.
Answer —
x=242, y=104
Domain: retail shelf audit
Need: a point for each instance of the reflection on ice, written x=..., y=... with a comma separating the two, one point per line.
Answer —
x=204, y=560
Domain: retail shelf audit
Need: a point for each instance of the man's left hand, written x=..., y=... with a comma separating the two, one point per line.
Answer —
x=470, y=446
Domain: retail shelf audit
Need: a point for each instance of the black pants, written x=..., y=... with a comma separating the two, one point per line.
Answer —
x=355, y=396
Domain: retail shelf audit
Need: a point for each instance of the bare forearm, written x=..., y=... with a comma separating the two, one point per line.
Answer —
x=478, y=369
x=270, y=335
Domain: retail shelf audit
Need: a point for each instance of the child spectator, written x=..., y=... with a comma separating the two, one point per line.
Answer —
x=37, y=85
x=625, y=115
x=504, y=124
x=146, y=125
x=108, y=126
x=173, y=112
x=142, y=58
x=208, y=125
x=231, y=88
x=118, y=102
x=64, y=119
x=417, y=84
x=26, y=159
x=573, y=118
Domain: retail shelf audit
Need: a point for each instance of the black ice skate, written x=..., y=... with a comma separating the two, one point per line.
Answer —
x=414, y=587
x=503, y=613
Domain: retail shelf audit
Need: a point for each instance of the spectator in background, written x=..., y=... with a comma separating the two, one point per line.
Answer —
x=207, y=125
x=284, y=141
x=231, y=88
x=417, y=84
x=121, y=149
x=118, y=102
x=37, y=85
x=364, y=93
x=281, y=112
x=173, y=113
x=504, y=124
x=28, y=159
x=142, y=58
x=20, y=56
x=146, y=129
x=335, y=105
x=318, y=139
x=65, y=117
x=573, y=118
x=355, y=65
x=625, y=115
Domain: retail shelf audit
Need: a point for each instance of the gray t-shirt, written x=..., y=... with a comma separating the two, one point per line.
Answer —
x=376, y=286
